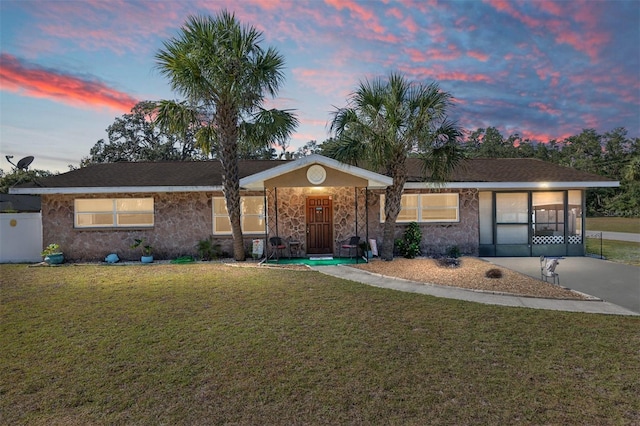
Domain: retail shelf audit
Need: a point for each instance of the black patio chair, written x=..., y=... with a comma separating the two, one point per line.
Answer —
x=277, y=246
x=350, y=244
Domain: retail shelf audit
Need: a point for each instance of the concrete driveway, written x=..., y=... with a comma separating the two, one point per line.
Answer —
x=612, y=282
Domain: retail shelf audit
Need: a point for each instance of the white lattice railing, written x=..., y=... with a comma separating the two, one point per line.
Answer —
x=574, y=239
x=556, y=239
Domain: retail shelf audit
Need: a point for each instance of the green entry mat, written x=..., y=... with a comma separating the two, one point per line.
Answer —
x=316, y=262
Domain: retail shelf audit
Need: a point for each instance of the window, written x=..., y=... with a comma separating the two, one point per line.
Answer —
x=409, y=209
x=512, y=217
x=113, y=212
x=252, y=218
x=426, y=208
x=548, y=214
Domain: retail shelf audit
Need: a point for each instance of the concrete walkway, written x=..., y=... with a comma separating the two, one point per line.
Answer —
x=595, y=306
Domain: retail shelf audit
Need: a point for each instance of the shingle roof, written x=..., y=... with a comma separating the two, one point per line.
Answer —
x=142, y=174
x=509, y=170
x=209, y=173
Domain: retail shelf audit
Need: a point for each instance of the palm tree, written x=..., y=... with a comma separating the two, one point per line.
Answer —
x=224, y=76
x=384, y=122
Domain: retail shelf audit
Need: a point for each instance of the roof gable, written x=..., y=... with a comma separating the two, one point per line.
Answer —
x=371, y=179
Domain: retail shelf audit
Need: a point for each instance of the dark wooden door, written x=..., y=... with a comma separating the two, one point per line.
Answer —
x=319, y=225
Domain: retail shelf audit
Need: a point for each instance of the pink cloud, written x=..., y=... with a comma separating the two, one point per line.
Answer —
x=395, y=12
x=543, y=137
x=439, y=73
x=586, y=38
x=324, y=81
x=480, y=56
x=551, y=8
x=544, y=108
x=38, y=82
x=436, y=32
x=410, y=25
x=417, y=55
x=129, y=23
x=545, y=72
x=358, y=12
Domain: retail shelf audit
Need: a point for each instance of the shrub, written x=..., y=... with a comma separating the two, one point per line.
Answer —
x=493, y=273
x=409, y=246
x=453, y=251
x=207, y=250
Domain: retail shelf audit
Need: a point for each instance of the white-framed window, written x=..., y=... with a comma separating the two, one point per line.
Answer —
x=252, y=218
x=113, y=212
x=426, y=208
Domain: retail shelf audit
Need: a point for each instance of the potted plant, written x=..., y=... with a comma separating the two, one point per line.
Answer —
x=147, y=250
x=52, y=254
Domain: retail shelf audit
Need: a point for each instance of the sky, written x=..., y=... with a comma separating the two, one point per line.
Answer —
x=542, y=69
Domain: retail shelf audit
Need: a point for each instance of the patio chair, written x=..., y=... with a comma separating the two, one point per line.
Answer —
x=350, y=244
x=548, y=269
x=277, y=246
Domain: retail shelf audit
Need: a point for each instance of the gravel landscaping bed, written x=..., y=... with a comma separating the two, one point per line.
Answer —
x=470, y=274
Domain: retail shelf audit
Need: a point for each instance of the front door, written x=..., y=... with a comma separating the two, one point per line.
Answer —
x=319, y=225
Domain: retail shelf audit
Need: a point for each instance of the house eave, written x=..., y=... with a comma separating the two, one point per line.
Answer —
x=373, y=184
x=512, y=185
x=114, y=189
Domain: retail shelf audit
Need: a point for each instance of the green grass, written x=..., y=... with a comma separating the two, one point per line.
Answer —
x=212, y=344
x=614, y=224
x=617, y=251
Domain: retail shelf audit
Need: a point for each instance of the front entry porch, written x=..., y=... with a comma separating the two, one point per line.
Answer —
x=315, y=222
x=317, y=202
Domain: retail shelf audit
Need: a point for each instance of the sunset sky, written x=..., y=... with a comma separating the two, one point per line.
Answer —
x=543, y=69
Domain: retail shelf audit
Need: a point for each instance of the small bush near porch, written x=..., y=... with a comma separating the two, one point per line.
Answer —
x=213, y=344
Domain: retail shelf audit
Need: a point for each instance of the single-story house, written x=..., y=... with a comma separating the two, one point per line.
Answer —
x=489, y=207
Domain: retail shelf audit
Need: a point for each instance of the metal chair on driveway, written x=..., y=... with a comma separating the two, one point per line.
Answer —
x=548, y=269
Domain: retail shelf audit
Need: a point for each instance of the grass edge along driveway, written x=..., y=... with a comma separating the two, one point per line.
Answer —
x=209, y=343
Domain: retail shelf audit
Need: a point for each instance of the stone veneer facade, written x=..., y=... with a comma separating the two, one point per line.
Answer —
x=184, y=218
x=181, y=220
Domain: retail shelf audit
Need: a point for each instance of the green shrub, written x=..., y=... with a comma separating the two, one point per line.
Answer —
x=207, y=250
x=409, y=245
x=454, y=251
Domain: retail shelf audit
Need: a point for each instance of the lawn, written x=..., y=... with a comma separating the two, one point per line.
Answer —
x=617, y=251
x=214, y=344
x=614, y=224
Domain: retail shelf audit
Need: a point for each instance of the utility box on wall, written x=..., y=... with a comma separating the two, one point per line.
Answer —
x=20, y=237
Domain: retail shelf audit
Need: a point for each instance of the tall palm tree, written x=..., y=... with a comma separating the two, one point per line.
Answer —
x=224, y=76
x=383, y=123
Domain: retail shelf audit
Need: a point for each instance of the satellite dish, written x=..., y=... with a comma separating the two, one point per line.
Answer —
x=25, y=162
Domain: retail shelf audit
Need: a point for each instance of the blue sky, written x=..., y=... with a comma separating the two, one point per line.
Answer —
x=542, y=69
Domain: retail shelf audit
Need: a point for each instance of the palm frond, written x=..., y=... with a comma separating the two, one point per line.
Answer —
x=444, y=153
x=268, y=127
